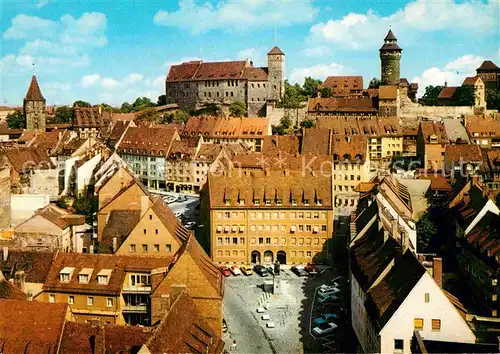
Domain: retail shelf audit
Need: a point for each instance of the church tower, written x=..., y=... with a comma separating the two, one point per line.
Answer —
x=34, y=107
x=276, y=74
x=390, y=57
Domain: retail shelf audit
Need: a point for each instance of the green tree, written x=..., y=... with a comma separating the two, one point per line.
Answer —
x=80, y=103
x=210, y=109
x=162, y=100
x=86, y=205
x=126, y=107
x=465, y=96
x=64, y=114
x=286, y=122
x=141, y=103
x=149, y=114
x=237, y=109
x=431, y=95
x=278, y=130
x=426, y=230
x=326, y=92
x=307, y=123
x=175, y=117
x=15, y=120
x=310, y=87
x=493, y=99
x=374, y=83
x=292, y=97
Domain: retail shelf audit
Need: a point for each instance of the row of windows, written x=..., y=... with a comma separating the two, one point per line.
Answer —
x=345, y=202
x=347, y=177
x=273, y=215
x=156, y=248
x=90, y=300
x=258, y=99
x=241, y=253
x=343, y=188
x=418, y=324
x=270, y=228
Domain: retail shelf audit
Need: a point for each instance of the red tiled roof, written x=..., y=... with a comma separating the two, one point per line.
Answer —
x=488, y=65
x=342, y=84
x=91, y=117
x=447, y=92
x=220, y=127
x=462, y=153
x=388, y=92
x=147, y=141
x=9, y=291
x=470, y=80
x=275, y=50
x=437, y=129
x=34, y=93
x=184, y=148
x=255, y=74
x=36, y=265
x=31, y=326
x=284, y=144
x=482, y=126
x=336, y=104
x=23, y=159
x=197, y=71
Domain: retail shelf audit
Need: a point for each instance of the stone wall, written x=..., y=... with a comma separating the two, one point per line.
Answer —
x=35, y=115
x=390, y=68
x=417, y=111
x=296, y=115
x=257, y=95
x=4, y=198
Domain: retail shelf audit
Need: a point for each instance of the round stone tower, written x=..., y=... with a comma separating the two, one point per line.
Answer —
x=390, y=57
x=276, y=74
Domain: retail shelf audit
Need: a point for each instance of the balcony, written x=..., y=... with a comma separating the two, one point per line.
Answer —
x=136, y=289
x=142, y=308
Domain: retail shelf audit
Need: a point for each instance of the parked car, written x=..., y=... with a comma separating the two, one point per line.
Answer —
x=190, y=224
x=270, y=270
x=300, y=271
x=328, y=291
x=224, y=326
x=327, y=317
x=181, y=198
x=225, y=270
x=312, y=269
x=324, y=328
x=261, y=270
x=323, y=299
x=246, y=270
x=235, y=270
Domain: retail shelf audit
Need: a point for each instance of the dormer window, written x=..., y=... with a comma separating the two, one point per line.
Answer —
x=319, y=202
x=256, y=202
x=103, y=276
x=83, y=278
x=279, y=202
x=306, y=201
x=294, y=201
x=268, y=202
x=227, y=201
x=242, y=201
x=65, y=274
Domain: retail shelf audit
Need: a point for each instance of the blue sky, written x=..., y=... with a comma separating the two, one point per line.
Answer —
x=115, y=50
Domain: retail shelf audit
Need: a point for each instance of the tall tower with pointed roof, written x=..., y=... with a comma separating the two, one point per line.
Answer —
x=34, y=107
x=276, y=74
x=390, y=57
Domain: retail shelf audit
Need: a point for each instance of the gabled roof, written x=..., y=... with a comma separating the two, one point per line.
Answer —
x=390, y=36
x=470, y=80
x=169, y=220
x=221, y=127
x=147, y=141
x=370, y=256
x=342, y=84
x=36, y=265
x=447, y=92
x=31, y=326
x=199, y=70
x=183, y=330
x=25, y=159
x=486, y=235
x=385, y=298
x=34, y=93
x=462, y=153
x=78, y=338
x=255, y=74
x=120, y=224
x=58, y=216
x=91, y=117
x=9, y=291
x=276, y=50
x=280, y=144
x=488, y=65
x=340, y=104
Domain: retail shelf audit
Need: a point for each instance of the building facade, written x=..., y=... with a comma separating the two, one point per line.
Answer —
x=268, y=216
x=194, y=84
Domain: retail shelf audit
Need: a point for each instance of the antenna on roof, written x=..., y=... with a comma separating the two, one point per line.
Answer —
x=33, y=67
x=275, y=35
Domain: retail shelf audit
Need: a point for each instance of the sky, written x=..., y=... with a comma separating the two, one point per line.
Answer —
x=111, y=51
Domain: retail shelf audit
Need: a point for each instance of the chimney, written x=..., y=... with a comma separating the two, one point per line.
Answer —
x=20, y=279
x=115, y=244
x=144, y=204
x=5, y=253
x=437, y=270
x=312, y=172
x=91, y=249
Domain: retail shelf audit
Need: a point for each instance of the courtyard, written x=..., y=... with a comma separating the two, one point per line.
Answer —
x=290, y=311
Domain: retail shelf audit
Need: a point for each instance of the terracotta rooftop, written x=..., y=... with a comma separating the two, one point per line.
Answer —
x=25, y=159
x=169, y=220
x=200, y=71
x=385, y=298
x=482, y=126
x=470, y=205
x=241, y=190
x=255, y=74
x=78, y=338
x=147, y=141
x=120, y=224
x=338, y=104
x=91, y=117
x=486, y=235
x=488, y=65
x=59, y=217
x=447, y=92
x=117, y=131
x=209, y=152
x=184, y=148
x=470, y=80
x=115, y=265
x=47, y=140
x=438, y=182
x=342, y=84
x=349, y=148
x=36, y=265
x=280, y=144
x=372, y=126
x=275, y=50
x=316, y=141
x=31, y=326
x=433, y=132
x=10, y=292
x=462, y=153
x=220, y=127
x=34, y=93
x=183, y=330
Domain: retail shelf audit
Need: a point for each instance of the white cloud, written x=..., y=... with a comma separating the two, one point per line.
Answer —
x=318, y=51
x=132, y=78
x=24, y=27
x=236, y=14
x=453, y=73
x=256, y=55
x=90, y=80
x=89, y=29
x=110, y=84
x=357, y=30
x=43, y=47
x=41, y=3
x=320, y=71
